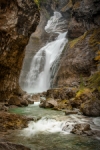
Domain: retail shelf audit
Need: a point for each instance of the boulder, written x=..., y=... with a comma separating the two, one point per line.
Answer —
x=64, y=104
x=61, y=93
x=42, y=104
x=17, y=101
x=12, y=146
x=30, y=101
x=82, y=96
x=50, y=103
x=91, y=108
x=14, y=100
x=24, y=102
x=82, y=129
x=12, y=121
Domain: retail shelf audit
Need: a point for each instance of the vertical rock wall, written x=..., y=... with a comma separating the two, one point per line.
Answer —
x=18, y=19
x=81, y=55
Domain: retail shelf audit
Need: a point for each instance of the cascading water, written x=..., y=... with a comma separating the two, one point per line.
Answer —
x=38, y=78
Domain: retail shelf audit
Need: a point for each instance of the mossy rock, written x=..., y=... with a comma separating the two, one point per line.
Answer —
x=64, y=104
x=94, y=81
x=73, y=43
x=85, y=91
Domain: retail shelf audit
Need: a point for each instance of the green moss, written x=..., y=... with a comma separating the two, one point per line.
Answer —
x=94, y=81
x=81, y=82
x=38, y=2
x=94, y=43
x=77, y=40
x=85, y=91
x=94, y=40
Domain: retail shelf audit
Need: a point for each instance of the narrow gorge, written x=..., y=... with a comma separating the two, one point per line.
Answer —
x=50, y=74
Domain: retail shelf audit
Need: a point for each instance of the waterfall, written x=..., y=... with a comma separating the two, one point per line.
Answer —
x=38, y=78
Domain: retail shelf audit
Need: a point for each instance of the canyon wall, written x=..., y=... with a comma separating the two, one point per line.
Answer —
x=18, y=19
x=80, y=58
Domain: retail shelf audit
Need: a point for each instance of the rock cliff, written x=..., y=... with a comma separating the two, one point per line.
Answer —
x=81, y=54
x=18, y=19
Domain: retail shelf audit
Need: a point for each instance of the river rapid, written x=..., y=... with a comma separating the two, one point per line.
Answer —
x=50, y=130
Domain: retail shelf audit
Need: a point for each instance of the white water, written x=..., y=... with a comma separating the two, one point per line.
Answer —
x=53, y=123
x=38, y=78
x=97, y=121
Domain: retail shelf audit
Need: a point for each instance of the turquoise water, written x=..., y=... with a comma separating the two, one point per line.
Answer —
x=47, y=139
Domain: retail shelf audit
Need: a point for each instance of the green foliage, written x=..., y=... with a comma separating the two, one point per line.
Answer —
x=38, y=2
x=95, y=81
x=94, y=43
x=74, y=42
x=82, y=91
x=81, y=82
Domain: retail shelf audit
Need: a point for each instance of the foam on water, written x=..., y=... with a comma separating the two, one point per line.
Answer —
x=97, y=121
x=53, y=124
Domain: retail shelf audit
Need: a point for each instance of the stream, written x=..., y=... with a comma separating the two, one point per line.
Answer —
x=51, y=130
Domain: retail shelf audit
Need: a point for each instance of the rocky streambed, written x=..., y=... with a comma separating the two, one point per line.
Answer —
x=49, y=129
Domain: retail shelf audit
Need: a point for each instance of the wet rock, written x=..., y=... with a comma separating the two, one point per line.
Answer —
x=42, y=104
x=12, y=146
x=27, y=96
x=68, y=112
x=61, y=93
x=24, y=102
x=30, y=101
x=3, y=107
x=82, y=129
x=56, y=104
x=81, y=96
x=14, y=100
x=64, y=104
x=91, y=108
x=42, y=98
x=12, y=121
x=50, y=103
x=17, y=101
x=36, y=97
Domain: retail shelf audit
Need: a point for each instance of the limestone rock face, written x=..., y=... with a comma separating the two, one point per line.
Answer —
x=78, y=57
x=78, y=60
x=85, y=16
x=18, y=19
